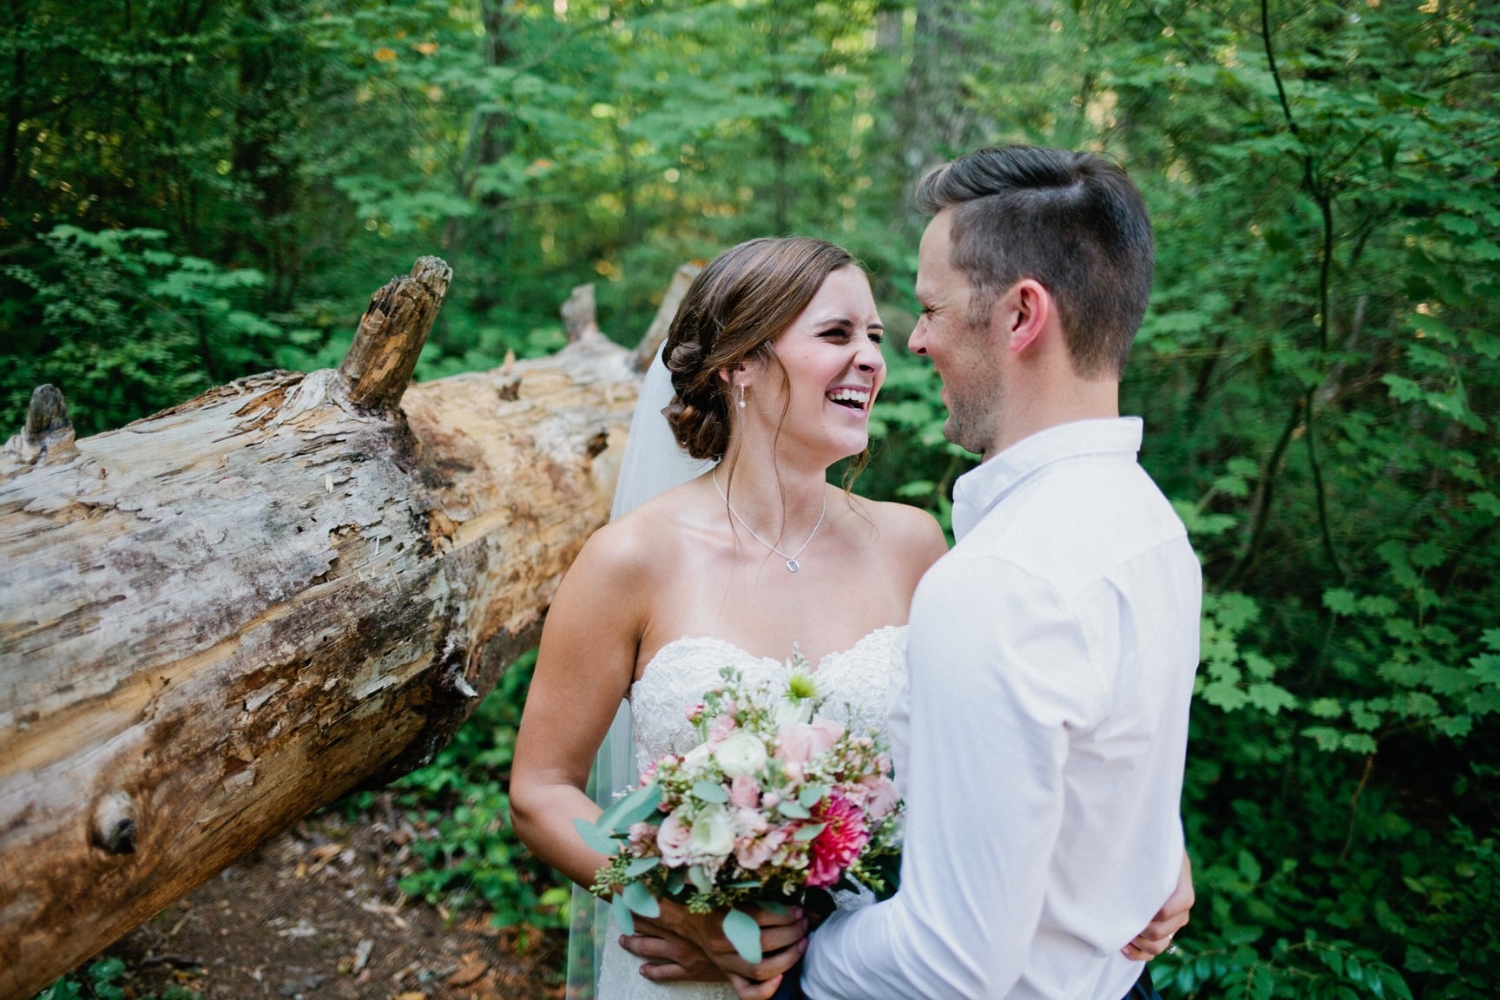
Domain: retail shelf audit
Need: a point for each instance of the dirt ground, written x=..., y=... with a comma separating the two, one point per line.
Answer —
x=316, y=913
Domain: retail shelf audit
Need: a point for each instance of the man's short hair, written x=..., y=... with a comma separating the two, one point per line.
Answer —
x=1072, y=221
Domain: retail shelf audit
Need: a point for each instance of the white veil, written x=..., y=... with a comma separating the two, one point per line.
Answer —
x=653, y=463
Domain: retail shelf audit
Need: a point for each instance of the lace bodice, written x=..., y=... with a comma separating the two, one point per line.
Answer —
x=858, y=685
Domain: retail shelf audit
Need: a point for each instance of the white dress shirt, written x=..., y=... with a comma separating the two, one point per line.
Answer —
x=1041, y=737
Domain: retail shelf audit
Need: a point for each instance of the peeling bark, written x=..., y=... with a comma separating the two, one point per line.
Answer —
x=217, y=619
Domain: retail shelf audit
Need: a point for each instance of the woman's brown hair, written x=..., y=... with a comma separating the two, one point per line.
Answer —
x=736, y=306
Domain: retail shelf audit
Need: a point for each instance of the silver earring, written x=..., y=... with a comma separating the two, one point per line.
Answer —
x=741, y=402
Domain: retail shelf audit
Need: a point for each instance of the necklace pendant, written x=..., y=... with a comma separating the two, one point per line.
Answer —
x=793, y=566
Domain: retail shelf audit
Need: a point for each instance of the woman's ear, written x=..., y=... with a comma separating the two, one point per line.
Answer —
x=738, y=375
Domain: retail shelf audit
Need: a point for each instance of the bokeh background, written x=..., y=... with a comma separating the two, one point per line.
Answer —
x=192, y=191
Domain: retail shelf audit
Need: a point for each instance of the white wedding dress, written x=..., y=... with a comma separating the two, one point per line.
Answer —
x=859, y=685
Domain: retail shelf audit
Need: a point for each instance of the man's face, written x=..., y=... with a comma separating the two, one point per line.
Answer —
x=964, y=352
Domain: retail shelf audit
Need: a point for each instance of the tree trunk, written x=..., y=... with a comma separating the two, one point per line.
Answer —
x=219, y=618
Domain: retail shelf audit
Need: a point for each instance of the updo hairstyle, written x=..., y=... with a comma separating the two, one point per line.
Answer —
x=736, y=306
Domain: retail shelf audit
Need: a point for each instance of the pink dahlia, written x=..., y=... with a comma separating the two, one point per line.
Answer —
x=840, y=842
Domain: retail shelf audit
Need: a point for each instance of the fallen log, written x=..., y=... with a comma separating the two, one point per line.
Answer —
x=219, y=618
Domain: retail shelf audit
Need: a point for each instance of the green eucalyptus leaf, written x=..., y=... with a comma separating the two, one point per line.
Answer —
x=710, y=791
x=639, y=899
x=622, y=914
x=596, y=838
x=744, y=933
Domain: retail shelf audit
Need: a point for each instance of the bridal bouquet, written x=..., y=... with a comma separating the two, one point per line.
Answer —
x=774, y=802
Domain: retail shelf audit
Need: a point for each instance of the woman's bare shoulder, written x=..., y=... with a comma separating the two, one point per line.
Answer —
x=911, y=532
x=640, y=542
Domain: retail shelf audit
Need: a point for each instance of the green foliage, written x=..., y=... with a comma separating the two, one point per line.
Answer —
x=125, y=328
x=472, y=855
x=189, y=193
x=99, y=982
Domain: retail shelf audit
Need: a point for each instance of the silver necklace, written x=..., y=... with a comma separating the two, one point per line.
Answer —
x=792, y=565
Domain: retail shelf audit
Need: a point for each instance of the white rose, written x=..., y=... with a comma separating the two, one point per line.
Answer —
x=788, y=713
x=696, y=758
x=740, y=754
x=713, y=833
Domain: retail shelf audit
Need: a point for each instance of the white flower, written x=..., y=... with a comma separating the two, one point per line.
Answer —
x=713, y=832
x=788, y=712
x=696, y=758
x=740, y=754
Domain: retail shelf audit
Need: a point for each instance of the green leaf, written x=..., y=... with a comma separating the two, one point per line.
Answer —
x=622, y=914
x=1262, y=983
x=596, y=838
x=700, y=879
x=1339, y=601
x=641, y=866
x=810, y=831
x=639, y=899
x=811, y=795
x=792, y=809
x=1271, y=698
x=744, y=933
x=630, y=808
x=710, y=791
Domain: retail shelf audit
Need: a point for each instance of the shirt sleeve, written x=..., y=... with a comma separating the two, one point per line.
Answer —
x=999, y=672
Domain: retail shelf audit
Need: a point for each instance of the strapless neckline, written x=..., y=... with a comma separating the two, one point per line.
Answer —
x=859, y=685
x=724, y=645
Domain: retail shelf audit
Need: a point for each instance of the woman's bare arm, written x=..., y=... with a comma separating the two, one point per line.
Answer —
x=583, y=670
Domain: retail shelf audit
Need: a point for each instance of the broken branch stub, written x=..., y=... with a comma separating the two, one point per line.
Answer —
x=384, y=354
x=580, y=317
x=662, y=323
x=47, y=436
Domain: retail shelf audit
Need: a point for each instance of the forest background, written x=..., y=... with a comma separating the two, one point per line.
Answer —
x=193, y=191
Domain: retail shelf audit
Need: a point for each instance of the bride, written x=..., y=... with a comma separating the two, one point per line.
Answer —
x=774, y=362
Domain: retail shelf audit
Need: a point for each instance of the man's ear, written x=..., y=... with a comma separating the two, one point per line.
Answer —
x=1028, y=308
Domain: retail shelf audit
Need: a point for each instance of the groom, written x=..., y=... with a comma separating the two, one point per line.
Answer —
x=1051, y=653
x=1041, y=738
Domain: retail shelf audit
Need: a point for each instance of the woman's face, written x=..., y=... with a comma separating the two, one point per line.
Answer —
x=834, y=369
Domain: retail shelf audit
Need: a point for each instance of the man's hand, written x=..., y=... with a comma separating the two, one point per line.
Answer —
x=1171, y=918
x=680, y=946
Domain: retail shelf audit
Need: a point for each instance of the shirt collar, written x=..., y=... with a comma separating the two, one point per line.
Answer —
x=977, y=491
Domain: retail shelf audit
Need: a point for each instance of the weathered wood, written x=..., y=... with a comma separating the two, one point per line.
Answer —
x=217, y=619
x=46, y=438
x=662, y=323
x=391, y=334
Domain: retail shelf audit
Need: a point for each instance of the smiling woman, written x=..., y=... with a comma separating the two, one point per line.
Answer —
x=775, y=364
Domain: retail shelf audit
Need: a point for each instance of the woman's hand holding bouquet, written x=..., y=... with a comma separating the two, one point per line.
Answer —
x=775, y=803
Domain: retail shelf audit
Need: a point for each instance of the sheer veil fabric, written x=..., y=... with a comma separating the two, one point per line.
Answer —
x=653, y=463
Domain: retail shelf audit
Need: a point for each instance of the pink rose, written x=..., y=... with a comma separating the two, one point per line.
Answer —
x=642, y=839
x=880, y=795
x=693, y=712
x=800, y=742
x=744, y=792
x=720, y=728
x=843, y=837
x=672, y=840
x=749, y=821
x=755, y=852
